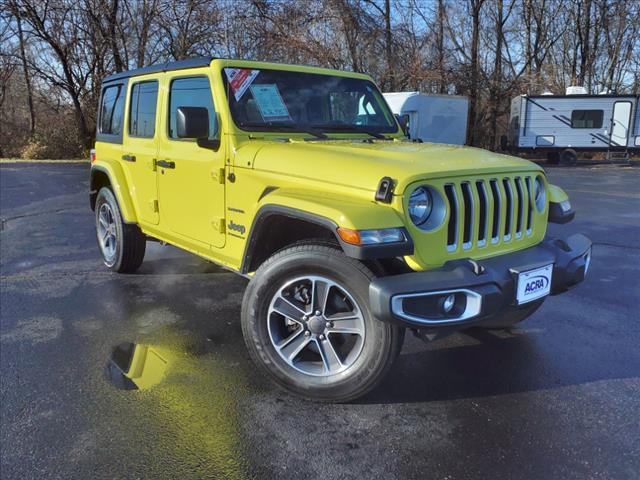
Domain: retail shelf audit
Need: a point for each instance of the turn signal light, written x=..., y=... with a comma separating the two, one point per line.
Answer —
x=349, y=236
x=92, y=155
x=371, y=237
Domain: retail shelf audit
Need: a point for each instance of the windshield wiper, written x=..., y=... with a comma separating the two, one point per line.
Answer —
x=286, y=127
x=351, y=128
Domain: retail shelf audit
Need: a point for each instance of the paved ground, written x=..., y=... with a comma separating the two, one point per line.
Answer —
x=559, y=398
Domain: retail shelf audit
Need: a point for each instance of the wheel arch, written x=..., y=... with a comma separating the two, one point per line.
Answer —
x=276, y=227
x=109, y=176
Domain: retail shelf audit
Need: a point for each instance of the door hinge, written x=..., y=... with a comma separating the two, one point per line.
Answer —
x=217, y=174
x=154, y=205
x=218, y=225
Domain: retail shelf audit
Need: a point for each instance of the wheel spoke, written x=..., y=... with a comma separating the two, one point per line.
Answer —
x=103, y=222
x=105, y=236
x=293, y=346
x=345, y=330
x=330, y=358
x=320, y=295
x=287, y=309
x=344, y=322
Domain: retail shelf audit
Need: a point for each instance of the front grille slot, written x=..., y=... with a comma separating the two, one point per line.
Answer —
x=508, y=193
x=482, y=220
x=520, y=207
x=452, y=227
x=529, y=205
x=497, y=207
x=489, y=212
x=469, y=212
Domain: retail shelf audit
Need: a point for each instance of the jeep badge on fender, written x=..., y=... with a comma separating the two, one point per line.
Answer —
x=301, y=179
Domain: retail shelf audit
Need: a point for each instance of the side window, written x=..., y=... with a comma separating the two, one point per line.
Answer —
x=586, y=118
x=190, y=92
x=142, y=112
x=111, y=110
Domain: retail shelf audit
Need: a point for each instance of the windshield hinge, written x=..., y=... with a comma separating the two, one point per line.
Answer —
x=384, y=193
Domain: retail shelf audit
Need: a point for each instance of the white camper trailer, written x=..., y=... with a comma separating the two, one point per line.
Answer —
x=562, y=125
x=432, y=118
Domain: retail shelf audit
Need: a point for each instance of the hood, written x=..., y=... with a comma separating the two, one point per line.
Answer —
x=361, y=165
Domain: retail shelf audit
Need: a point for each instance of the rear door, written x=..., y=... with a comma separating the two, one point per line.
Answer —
x=140, y=147
x=620, y=123
x=191, y=182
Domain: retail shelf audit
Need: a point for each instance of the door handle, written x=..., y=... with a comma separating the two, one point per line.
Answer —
x=165, y=164
x=129, y=158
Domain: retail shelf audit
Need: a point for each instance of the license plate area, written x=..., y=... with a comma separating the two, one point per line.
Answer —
x=533, y=284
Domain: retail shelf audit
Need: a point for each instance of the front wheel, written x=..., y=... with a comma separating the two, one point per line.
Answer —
x=306, y=322
x=122, y=245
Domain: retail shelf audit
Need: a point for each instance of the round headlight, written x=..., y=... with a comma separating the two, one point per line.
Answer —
x=420, y=205
x=539, y=194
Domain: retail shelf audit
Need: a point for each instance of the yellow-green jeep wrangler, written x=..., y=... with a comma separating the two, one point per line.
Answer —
x=301, y=179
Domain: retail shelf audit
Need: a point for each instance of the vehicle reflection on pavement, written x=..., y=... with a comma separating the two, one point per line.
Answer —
x=136, y=367
x=191, y=408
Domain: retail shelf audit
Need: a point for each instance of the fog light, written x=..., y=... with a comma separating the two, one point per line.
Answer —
x=448, y=303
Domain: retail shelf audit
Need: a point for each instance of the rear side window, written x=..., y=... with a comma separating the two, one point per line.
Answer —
x=142, y=114
x=190, y=92
x=586, y=118
x=111, y=110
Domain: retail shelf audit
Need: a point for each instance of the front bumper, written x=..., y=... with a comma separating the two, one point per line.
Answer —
x=487, y=288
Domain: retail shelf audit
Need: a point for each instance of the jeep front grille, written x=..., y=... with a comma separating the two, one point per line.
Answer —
x=489, y=211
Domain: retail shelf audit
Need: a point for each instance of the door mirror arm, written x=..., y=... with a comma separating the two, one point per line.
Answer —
x=209, y=143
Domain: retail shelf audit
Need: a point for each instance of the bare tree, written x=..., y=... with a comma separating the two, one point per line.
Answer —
x=54, y=53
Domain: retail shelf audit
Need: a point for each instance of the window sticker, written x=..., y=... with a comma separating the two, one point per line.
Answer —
x=240, y=79
x=270, y=103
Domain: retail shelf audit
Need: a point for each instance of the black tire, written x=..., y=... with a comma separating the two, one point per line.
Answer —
x=130, y=243
x=380, y=344
x=569, y=157
x=512, y=317
x=553, y=158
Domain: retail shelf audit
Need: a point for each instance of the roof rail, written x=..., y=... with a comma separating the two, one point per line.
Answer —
x=161, y=67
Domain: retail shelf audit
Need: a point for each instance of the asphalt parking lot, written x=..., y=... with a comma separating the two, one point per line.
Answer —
x=557, y=398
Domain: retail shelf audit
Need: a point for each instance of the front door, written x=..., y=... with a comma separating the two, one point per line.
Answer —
x=620, y=122
x=191, y=178
x=140, y=147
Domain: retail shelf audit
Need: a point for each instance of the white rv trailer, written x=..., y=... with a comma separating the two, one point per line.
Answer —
x=562, y=125
x=432, y=118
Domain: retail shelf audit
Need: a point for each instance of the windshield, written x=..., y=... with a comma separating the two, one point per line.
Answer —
x=281, y=101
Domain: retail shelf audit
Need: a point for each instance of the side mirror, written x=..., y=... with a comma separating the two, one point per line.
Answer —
x=193, y=122
x=403, y=121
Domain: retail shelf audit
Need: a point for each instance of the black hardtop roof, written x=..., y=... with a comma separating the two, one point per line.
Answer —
x=161, y=67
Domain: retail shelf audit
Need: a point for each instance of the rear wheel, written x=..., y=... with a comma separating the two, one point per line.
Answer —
x=306, y=322
x=569, y=157
x=122, y=245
